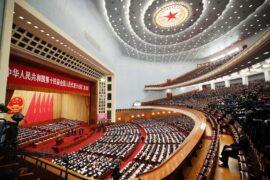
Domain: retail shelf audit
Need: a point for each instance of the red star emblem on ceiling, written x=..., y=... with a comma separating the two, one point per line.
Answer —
x=171, y=16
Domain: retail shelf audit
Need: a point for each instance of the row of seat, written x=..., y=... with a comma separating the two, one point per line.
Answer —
x=250, y=161
x=162, y=139
x=207, y=171
x=122, y=128
x=117, y=150
x=196, y=72
x=181, y=121
x=91, y=165
x=133, y=169
x=37, y=135
x=120, y=139
x=26, y=134
x=155, y=153
x=97, y=159
x=56, y=126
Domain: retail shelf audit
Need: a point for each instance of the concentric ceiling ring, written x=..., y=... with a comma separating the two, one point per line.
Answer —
x=139, y=26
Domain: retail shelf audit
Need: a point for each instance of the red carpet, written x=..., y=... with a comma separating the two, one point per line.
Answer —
x=47, y=147
x=135, y=152
x=90, y=140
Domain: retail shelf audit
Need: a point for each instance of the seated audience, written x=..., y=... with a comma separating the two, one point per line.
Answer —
x=232, y=150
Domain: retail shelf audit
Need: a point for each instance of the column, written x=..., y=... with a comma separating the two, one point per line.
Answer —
x=169, y=94
x=267, y=75
x=213, y=87
x=245, y=80
x=5, y=47
x=227, y=83
x=113, y=108
x=200, y=87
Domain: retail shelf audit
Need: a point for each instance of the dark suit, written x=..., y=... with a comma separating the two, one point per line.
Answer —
x=232, y=150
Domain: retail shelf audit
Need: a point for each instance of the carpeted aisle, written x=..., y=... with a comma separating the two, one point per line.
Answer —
x=136, y=151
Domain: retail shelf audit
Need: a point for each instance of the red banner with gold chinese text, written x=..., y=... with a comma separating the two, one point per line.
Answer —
x=25, y=75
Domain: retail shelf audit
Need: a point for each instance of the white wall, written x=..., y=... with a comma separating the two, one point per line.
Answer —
x=132, y=75
x=81, y=20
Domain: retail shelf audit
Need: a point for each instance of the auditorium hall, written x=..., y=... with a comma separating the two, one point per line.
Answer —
x=134, y=89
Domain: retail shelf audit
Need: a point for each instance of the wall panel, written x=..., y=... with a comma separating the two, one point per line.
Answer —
x=41, y=106
x=75, y=107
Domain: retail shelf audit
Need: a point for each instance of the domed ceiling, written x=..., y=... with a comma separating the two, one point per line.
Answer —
x=184, y=30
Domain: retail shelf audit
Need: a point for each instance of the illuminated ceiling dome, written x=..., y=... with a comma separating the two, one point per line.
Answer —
x=184, y=30
x=172, y=15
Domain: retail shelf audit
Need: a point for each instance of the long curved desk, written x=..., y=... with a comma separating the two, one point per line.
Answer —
x=179, y=156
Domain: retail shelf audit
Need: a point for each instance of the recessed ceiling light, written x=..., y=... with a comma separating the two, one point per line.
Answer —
x=21, y=17
x=41, y=30
x=28, y=22
x=48, y=34
x=36, y=27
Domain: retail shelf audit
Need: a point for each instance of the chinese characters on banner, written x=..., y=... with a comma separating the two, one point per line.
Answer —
x=24, y=75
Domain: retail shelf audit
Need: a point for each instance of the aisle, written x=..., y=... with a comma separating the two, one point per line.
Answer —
x=136, y=151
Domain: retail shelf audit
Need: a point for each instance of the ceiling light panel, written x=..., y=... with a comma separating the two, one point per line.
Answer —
x=171, y=31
